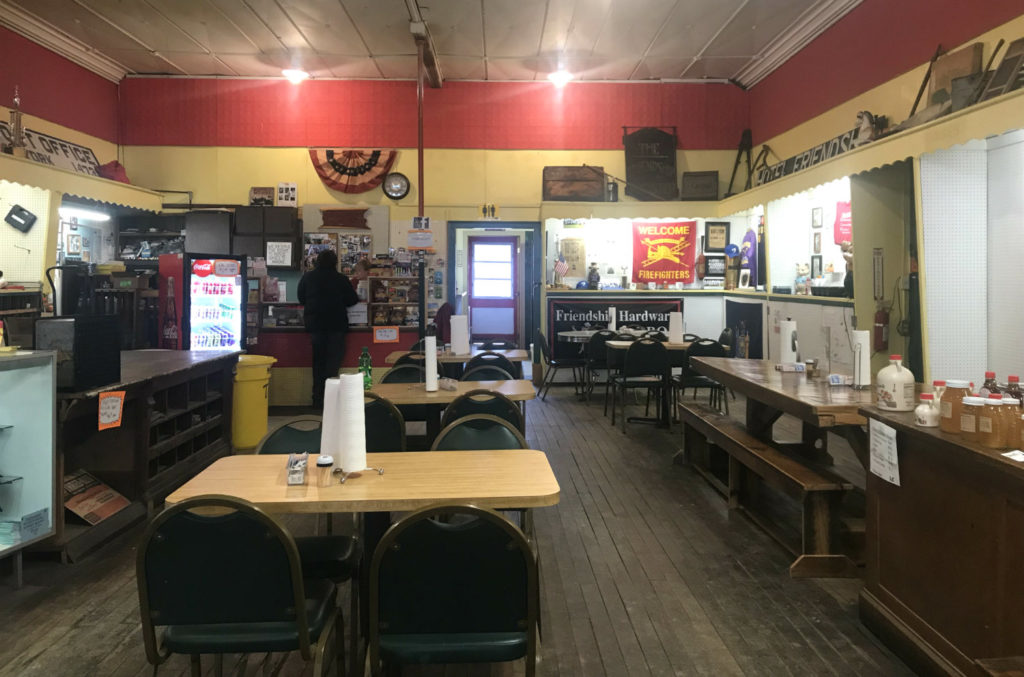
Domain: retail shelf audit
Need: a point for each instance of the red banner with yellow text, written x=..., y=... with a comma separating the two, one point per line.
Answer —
x=664, y=252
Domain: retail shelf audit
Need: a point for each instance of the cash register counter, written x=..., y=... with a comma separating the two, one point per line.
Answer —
x=176, y=420
x=944, y=585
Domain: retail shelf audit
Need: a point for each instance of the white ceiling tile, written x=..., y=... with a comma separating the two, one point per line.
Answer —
x=756, y=25
x=207, y=25
x=456, y=26
x=252, y=65
x=691, y=26
x=716, y=67
x=352, y=67
x=630, y=27
x=511, y=69
x=143, y=23
x=325, y=25
x=462, y=68
x=269, y=13
x=246, y=21
x=140, y=61
x=588, y=22
x=79, y=23
x=399, y=67
x=513, y=28
x=661, y=68
x=384, y=25
x=600, y=68
x=197, y=63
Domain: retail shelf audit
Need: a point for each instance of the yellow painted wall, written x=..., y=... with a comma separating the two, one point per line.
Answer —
x=893, y=98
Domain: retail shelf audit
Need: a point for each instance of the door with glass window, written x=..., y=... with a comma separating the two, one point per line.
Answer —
x=493, y=287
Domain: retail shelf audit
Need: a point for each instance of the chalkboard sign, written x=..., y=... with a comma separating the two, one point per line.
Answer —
x=651, y=164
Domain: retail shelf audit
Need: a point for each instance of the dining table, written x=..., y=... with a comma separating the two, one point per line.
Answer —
x=820, y=406
x=576, y=335
x=448, y=357
x=403, y=394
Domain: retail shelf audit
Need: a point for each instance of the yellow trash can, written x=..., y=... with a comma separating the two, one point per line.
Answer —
x=249, y=408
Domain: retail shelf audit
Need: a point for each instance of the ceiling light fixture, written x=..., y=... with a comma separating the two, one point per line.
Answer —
x=294, y=75
x=560, y=77
x=67, y=213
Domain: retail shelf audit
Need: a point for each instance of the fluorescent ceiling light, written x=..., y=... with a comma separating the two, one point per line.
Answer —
x=560, y=77
x=294, y=75
x=83, y=214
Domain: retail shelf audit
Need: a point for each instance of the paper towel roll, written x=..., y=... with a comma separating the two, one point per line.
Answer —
x=611, y=317
x=430, y=348
x=789, y=351
x=329, y=436
x=460, y=334
x=351, y=423
x=675, y=327
x=861, y=359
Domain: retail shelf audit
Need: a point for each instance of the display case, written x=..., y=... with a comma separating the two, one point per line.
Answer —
x=282, y=316
x=27, y=451
x=394, y=301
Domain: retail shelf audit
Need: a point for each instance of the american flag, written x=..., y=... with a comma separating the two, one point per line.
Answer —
x=561, y=267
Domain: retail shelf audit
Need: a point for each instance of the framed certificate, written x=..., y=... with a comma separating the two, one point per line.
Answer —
x=716, y=236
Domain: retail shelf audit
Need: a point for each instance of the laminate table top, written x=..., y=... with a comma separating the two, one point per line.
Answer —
x=518, y=390
x=519, y=478
x=512, y=355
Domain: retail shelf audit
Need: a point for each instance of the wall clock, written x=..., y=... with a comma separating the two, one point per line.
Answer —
x=396, y=185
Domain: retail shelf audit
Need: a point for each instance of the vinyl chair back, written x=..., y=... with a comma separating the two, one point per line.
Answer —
x=479, y=431
x=418, y=359
x=656, y=336
x=728, y=340
x=225, y=582
x=405, y=373
x=489, y=359
x=552, y=365
x=597, y=352
x=645, y=357
x=483, y=401
x=296, y=435
x=690, y=338
x=385, y=425
x=499, y=344
x=545, y=349
x=706, y=348
x=627, y=337
x=486, y=373
x=460, y=589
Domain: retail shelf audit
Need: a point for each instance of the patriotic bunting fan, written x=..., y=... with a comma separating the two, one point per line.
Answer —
x=352, y=170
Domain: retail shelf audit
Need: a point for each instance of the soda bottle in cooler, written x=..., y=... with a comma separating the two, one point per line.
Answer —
x=169, y=333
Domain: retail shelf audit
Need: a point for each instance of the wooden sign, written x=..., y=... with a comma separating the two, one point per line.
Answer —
x=49, y=150
x=574, y=184
x=651, y=164
x=385, y=334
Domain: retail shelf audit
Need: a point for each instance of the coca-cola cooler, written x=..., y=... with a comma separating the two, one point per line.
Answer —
x=202, y=302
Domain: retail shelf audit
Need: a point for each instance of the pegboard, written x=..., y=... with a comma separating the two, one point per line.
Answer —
x=954, y=195
x=1005, y=242
x=823, y=332
x=17, y=264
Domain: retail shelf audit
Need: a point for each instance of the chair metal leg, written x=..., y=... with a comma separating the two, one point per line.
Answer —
x=549, y=375
x=623, y=411
x=613, y=404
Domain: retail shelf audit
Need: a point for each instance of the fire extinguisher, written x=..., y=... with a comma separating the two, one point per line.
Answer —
x=882, y=329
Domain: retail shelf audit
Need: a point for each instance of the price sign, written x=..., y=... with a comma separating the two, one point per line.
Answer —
x=421, y=239
x=110, y=409
x=385, y=334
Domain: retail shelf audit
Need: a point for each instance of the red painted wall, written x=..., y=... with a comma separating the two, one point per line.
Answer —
x=55, y=89
x=211, y=112
x=877, y=41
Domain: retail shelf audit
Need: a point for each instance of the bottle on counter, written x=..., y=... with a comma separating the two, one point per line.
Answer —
x=969, y=414
x=895, y=388
x=366, y=368
x=990, y=386
x=951, y=405
x=1013, y=389
x=927, y=414
x=991, y=423
x=1012, y=421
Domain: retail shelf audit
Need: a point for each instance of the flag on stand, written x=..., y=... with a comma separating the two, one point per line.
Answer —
x=561, y=267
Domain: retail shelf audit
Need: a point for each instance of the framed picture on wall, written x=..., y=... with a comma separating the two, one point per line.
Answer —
x=815, y=266
x=817, y=242
x=816, y=217
x=716, y=236
x=74, y=244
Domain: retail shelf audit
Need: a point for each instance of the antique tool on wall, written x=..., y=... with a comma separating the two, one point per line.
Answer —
x=924, y=82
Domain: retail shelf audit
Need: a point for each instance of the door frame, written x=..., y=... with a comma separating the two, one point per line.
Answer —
x=512, y=240
x=532, y=266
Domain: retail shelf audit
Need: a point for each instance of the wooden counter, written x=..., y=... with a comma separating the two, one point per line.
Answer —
x=176, y=420
x=944, y=583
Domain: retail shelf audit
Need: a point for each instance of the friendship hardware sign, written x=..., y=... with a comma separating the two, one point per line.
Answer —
x=49, y=150
x=566, y=315
x=663, y=252
x=808, y=158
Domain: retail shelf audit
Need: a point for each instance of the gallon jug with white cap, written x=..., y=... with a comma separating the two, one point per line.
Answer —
x=895, y=388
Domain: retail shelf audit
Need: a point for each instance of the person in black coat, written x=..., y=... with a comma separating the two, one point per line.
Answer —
x=326, y=296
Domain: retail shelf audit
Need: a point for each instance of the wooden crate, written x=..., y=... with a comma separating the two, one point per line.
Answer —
x=574, y=184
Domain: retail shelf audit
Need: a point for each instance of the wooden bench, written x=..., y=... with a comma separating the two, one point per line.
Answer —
x=818, y=492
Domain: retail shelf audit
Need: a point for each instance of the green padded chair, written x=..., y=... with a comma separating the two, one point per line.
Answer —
x=486, y=373
x=479, y=431
x=298, y=434
x=408, y=373
x=495, y=360
x=483, y=401
x=230, y=583
x=385, y=425
x=462, y=589
x=419, y=360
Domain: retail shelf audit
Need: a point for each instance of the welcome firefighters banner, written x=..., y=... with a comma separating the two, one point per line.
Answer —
x=664, y=252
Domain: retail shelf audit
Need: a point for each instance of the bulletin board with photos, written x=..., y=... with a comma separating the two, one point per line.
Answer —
x=350, y=248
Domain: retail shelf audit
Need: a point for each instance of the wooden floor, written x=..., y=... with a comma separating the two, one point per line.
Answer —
x=644, y=572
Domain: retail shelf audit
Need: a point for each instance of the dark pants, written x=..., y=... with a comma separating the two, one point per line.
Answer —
x=328, y=351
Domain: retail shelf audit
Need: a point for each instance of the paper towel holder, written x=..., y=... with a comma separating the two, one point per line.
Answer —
x=354, y=473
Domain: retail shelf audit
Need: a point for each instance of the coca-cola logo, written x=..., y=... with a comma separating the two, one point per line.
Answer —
x=202, y=268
